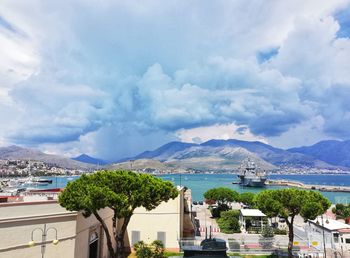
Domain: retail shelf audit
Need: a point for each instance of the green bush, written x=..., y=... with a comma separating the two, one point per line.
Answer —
x=267, y=231
x=229, y=214
x=153, y=250
x=229, y=225
x=278, y=231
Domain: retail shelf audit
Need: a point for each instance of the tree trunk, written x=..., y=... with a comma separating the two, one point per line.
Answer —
x=120, y=238
x=290, y=236
x=108, y=236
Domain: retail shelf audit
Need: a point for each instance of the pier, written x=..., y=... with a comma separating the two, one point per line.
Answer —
x=321, y=188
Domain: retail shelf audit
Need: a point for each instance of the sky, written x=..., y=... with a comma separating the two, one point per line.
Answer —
x=115, y=78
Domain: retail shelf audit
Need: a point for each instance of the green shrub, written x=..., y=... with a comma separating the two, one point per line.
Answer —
x=229, y=214
x=229, y=225
x=153, y=250
x=142, y=250
x=278, y=231
x=267, y=231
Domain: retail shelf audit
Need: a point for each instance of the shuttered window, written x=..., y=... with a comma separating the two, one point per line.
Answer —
x=135, y=237
x=161, y=236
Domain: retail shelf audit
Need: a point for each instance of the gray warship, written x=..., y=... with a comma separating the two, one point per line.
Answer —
x=250, y=175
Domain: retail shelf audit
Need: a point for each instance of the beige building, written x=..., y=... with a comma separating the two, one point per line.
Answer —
x=78, y=237
x=165, y=223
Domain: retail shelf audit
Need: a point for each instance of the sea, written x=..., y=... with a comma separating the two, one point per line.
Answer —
x=200, y=183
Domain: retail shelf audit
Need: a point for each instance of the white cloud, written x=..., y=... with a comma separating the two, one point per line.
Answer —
x=135, y=74
x=217, y=131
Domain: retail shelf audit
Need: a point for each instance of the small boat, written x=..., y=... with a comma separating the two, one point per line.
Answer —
x=37, y=181
x=44, y=181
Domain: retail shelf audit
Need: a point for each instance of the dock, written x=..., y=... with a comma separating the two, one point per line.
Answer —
x=321, y=188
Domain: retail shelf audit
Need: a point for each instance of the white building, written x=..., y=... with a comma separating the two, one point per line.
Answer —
x=254, y=216
x=335, y=235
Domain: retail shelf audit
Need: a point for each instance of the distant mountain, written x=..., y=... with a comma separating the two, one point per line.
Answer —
x=165, y=151
x=139, y=164
x=333, y=152
x=90, y=160
x=215, y=158
x=227, y=154
x=275, y=156
x=16, y=152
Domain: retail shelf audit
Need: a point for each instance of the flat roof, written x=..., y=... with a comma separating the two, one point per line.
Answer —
x=252, y=213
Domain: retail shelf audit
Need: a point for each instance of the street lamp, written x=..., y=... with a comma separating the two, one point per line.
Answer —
x=323, y=237
x=44, y=232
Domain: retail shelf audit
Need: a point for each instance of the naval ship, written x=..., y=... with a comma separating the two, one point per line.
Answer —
x=250, y=174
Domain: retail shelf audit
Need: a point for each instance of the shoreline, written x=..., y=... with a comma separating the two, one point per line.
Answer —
x=321, y=188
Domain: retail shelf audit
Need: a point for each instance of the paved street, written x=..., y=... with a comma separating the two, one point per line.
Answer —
x=205, y=220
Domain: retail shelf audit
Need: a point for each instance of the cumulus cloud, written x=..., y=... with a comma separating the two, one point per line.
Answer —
x=217, y=131
x=115, y=78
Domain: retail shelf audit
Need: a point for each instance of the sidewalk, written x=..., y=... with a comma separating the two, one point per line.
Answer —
x=205, y=220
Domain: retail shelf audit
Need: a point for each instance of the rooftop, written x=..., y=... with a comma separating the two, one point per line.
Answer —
x=330, y=224
x=252, y=213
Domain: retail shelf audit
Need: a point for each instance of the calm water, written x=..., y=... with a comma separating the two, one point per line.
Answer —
x=199, y=183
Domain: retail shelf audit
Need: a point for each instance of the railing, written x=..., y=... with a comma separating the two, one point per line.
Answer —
x=246, y=245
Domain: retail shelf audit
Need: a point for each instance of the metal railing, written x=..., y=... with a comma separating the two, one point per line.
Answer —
x=245, y=245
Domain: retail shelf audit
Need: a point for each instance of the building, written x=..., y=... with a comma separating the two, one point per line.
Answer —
x=332, y=234
x=251, y=218
x=24, y=221
x=165, y=223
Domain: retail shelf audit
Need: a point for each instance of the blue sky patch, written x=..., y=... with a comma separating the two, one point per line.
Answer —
x=343, y=18
x=6, y=25
x=263, y=56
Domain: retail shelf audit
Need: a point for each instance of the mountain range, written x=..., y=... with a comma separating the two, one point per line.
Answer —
x=228, y=154
x=212, y=155
x=19, y=153
x=333, y=152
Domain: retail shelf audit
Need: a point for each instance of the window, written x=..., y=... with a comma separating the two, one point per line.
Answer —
x=93, y=245
x=135, y=237
x=161, y=237
x=336, y=237
x=347, y=240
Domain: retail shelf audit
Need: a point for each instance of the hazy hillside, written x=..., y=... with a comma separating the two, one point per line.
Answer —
x=90, y=160
x=16, y=152
x=332, y=152
x=139, y=164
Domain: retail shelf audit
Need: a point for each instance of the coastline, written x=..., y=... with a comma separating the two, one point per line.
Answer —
x=321, y=188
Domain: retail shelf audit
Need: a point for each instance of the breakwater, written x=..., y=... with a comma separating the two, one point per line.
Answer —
x=296, y=184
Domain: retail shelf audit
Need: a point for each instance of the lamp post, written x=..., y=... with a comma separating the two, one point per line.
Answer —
x=323, y=237
x=44, y=232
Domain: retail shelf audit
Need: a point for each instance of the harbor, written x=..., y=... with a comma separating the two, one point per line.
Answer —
x=335, y=187
x=300, y=185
